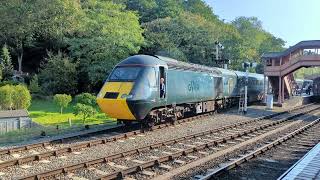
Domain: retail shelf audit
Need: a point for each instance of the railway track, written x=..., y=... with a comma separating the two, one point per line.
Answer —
x=44, y=150
x=168, y=151
x=273, y=159
x=44, y=144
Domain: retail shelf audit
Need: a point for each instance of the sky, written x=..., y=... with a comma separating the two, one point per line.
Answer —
x=291, y=20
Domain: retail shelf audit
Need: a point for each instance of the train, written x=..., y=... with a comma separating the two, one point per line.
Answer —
x=132, y=90
x=302, y=86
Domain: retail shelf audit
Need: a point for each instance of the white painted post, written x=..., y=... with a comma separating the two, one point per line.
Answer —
x=264, y=89
x=246, y=92
x=70, y=122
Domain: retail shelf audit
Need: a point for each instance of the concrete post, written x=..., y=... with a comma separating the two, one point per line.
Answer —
x=279, y=93
x=264, y=89
x=282, y=89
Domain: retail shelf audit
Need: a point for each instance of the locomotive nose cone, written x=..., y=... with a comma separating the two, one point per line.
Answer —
x=112, y=101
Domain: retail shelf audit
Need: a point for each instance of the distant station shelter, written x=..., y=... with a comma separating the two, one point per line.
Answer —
x=279, y=66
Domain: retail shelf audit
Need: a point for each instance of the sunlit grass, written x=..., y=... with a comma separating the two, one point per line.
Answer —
x=45, y=112
x=47, y=115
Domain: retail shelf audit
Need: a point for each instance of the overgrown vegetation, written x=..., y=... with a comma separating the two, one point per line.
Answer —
x=85, y=39
x=14, y=97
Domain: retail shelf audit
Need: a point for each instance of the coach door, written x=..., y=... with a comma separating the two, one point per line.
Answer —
x=162, y=84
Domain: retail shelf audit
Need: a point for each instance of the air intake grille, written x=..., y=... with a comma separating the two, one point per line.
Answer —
x=111, y=95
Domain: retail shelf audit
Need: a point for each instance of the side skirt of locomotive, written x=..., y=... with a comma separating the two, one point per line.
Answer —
x=171, y=113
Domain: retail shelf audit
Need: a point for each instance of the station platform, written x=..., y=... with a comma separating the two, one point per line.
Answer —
x=308, y=167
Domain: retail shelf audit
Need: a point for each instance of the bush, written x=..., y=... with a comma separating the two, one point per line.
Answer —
x=58, y=75
x=87, y=99
x=85, y=110
x=21, y=97
x=34, y=84
x=62, y=100
x=14, y=97
x=6, y=93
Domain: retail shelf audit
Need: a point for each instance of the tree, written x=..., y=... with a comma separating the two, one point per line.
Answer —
x=188, y=37
x=110, y=33
x=62, y=100
x=6, y=64
x=87, y=99
x=6, y=97
x=201, y=8
x=58, y=75
x=85, y=110
x=24, y=23
x=34, y=84
x=150, y=10
x=21, y=97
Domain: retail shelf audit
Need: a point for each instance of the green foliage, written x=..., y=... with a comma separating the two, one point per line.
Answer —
x=45, y=113
x=307, y=73
x=110, y=33
x=254, y=39
x=14, y=97
x=28, y=22
x=21, y=97
x=87, y=99
x=62, y=100
x=1, y=75
x=199, y=7
x=58, y=75
x=6, y=66
x=150, y=10
x=187, y=37
x=98, y=34
x=85, y=110
x=34, y=84
x=6, y=93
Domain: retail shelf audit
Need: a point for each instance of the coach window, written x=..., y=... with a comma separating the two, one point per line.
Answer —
x=152, y=78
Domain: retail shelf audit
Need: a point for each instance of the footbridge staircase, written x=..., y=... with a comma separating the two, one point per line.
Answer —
x=279, y=66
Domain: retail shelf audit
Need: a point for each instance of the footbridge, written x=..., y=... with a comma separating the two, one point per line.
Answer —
x=279, y=66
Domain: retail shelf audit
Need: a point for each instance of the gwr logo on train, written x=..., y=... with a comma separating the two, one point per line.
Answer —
x=193, y=86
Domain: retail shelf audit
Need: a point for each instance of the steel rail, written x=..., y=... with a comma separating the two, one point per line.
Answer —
x=61, y=140
x=91, y=143
x=157, y=145
x=259, y=151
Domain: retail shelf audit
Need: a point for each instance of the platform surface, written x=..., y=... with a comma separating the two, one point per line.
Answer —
x=308, y=167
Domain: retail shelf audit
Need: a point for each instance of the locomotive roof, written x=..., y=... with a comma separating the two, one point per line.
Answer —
x=154, y=60
x=175, y=64
x=144, y=60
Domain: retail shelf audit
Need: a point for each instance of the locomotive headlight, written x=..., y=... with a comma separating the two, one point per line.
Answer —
x=126, y=96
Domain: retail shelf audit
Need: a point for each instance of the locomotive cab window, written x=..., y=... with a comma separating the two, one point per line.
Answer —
x=125, y=74
x=162, y=84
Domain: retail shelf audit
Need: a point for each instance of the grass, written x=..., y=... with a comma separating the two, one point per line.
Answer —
x=46, y=113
